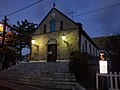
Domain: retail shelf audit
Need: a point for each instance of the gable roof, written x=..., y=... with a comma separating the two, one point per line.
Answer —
x=60, y=13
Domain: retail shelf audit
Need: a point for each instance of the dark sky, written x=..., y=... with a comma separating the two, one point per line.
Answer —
x=97, y=23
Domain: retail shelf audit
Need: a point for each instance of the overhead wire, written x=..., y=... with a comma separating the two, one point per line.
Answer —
x=97, y=10
x=24, y=8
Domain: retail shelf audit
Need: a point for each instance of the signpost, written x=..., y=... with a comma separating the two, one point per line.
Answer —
x=103, y=67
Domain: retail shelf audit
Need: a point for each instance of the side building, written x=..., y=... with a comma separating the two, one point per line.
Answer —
x=57, y=35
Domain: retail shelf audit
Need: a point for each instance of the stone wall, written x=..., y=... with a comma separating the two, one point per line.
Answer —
x=40, y=49
x=67, y=23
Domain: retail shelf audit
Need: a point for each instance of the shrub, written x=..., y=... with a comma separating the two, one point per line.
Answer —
x=7, y=55
x=79, y=64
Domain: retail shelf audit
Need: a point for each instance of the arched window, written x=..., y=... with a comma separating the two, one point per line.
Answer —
x=52, y=41
x=52, y=26
x=82, y=48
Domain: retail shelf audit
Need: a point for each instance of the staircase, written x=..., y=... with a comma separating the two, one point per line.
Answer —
x=46, y=75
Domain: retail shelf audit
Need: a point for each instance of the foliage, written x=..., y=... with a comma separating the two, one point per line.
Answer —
x=79, y=64
x=112, y=45
x=7, y=55
x=22, y=35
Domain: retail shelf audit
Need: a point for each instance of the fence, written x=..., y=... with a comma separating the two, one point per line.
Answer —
x=113, y=80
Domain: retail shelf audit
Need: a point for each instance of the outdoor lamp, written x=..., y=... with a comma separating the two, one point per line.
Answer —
x=1, y=27
x=33, y=41
x=63, y=37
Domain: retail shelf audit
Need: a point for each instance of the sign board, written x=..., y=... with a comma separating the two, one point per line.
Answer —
x=103, y=67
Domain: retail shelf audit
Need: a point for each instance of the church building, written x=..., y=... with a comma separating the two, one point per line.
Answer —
x=57, y=35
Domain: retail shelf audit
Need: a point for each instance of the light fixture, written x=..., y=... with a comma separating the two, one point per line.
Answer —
x=33, y=41
x=1, y=27
x=63, y=37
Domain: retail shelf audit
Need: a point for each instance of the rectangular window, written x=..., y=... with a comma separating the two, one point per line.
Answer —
x=85, y=46
x=61, y=25
x=44, y=29
x=93, y=51
x=90, y=48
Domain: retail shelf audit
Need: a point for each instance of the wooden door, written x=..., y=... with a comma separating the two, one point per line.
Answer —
x=52, y=52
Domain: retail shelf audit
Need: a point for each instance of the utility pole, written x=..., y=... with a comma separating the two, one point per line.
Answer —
x=72, y=13
x=4, y=28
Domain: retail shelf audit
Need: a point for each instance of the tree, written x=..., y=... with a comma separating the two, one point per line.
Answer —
x=112, y=45
x=22, y=35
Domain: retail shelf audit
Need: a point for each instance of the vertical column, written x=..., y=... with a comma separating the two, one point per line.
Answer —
x=4, y=28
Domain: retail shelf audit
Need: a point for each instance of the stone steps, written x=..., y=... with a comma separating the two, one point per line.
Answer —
x=53, y=75
x=47, y=85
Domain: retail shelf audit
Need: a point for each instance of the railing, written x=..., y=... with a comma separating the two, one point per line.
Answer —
x=113, y=80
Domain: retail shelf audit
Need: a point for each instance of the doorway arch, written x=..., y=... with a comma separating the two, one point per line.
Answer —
x=52, y=50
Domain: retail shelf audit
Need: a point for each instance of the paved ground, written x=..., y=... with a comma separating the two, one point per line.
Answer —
x=89, y=83
x=6, y=85
x=4, y=88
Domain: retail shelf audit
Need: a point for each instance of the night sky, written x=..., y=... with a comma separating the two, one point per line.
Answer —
x=98, y=21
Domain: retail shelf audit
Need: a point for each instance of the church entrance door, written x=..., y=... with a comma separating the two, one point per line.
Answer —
x=52, y=52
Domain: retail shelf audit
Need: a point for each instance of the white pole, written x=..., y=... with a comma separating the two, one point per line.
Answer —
x=116, y=84
x=97, y=81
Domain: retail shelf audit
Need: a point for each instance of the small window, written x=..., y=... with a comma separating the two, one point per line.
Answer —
x=96, y=52
x=52, y=26
x=61, y=25
x=90, y=48
x=82, y=48
x=44, y=29
x=85, y=46
x=93, y=51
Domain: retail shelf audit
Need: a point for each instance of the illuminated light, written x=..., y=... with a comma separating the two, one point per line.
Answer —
x=33, y=41
x=63, y=37
x=1, y=27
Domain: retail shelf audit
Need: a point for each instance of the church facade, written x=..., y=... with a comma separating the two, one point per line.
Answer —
x=57, y=35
